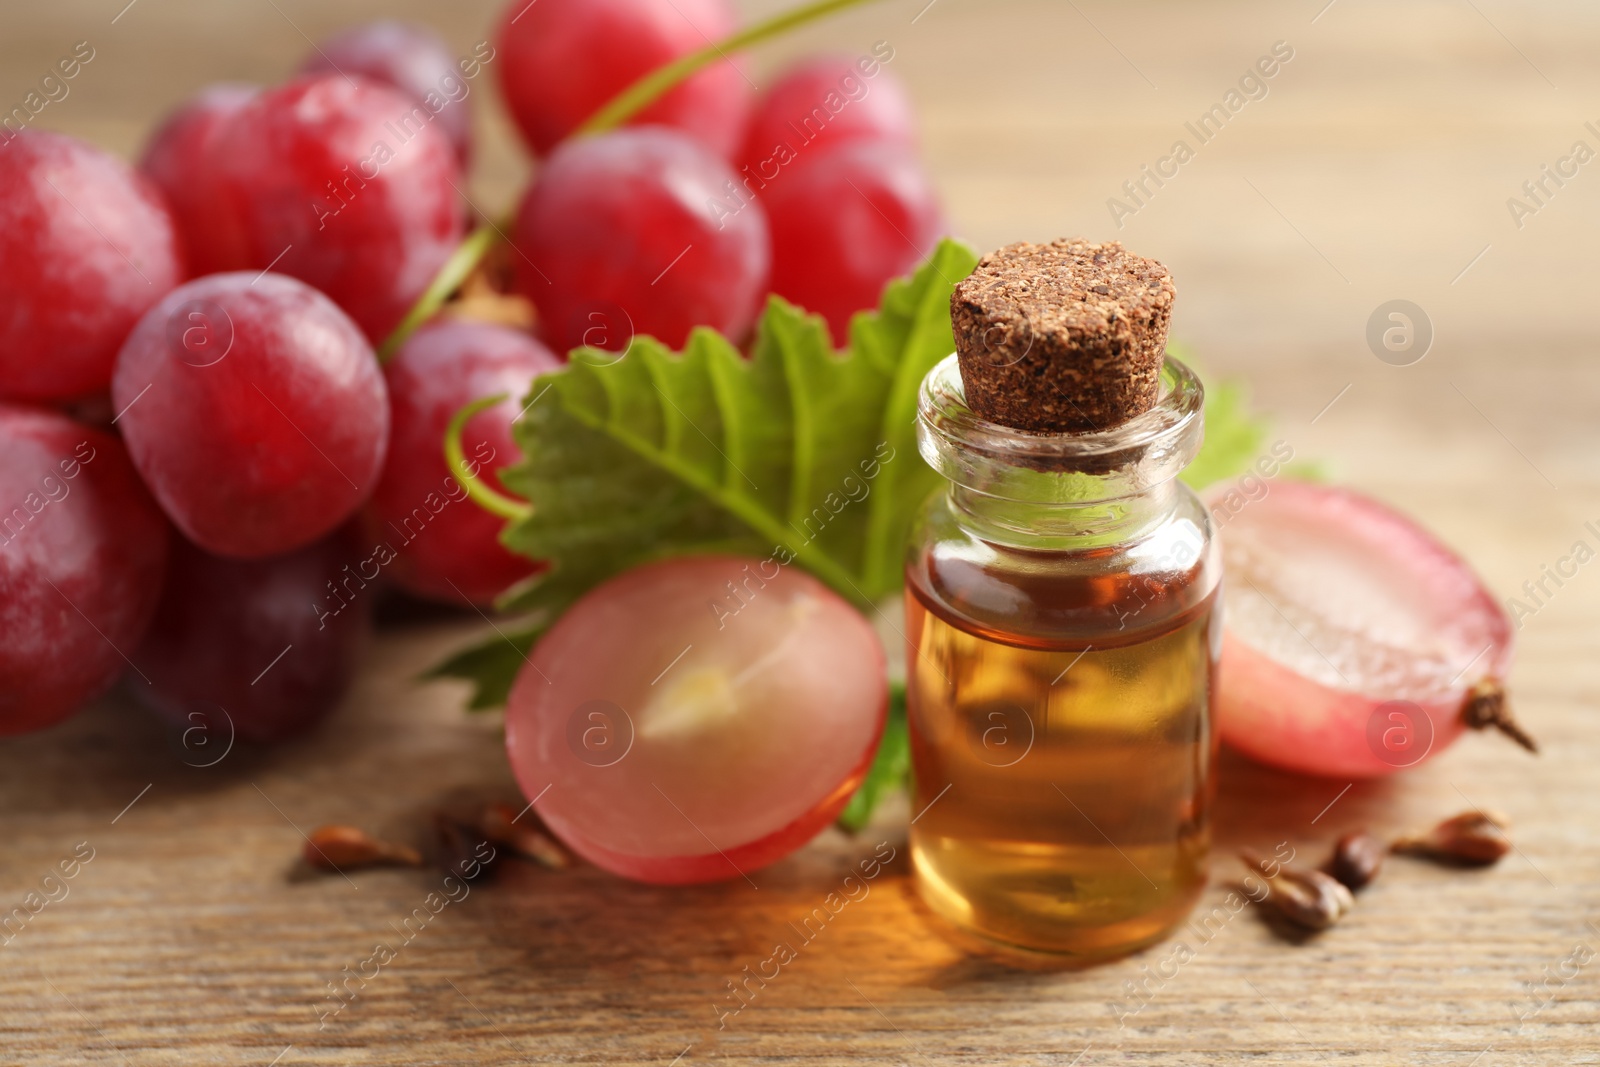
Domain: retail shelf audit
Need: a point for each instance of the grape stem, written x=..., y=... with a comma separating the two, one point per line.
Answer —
x=483, y=494
x=462, y=262
x=1486, y=706
x=635, y=98
x=650, y=88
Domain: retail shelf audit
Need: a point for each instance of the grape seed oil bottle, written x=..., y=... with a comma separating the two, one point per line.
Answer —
x=1062, y=612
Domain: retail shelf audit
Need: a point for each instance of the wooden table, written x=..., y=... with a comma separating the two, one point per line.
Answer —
x=1377, y=167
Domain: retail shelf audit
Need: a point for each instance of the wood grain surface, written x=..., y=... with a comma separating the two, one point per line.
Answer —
x=1377, y=167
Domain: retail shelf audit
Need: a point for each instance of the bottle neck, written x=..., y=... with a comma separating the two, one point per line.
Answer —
x=1062, y=527
x=1060, y=492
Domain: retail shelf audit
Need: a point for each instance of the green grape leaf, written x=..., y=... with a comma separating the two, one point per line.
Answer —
x=890, y=767
x=797, y=449
x=492, y=666
x=1233, y=437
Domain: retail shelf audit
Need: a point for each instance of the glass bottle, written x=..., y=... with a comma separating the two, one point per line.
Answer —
x=1063, y=631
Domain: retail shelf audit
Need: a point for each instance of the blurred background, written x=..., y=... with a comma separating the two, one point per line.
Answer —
x=1378, y=166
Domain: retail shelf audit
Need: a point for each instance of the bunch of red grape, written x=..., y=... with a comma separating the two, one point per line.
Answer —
x=204, y=469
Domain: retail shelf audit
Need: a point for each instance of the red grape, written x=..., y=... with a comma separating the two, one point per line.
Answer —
x=697, y=718
x=825, y=101
x=622, y=234
x=846, y=221
x=86, y=245
x=562, y=60
x=181, y=159
x=82, y=549
x=348, y=185
x=448, y=548
x=255, y=649
x=1353, y=638
x=255, y=410
x=407, y=57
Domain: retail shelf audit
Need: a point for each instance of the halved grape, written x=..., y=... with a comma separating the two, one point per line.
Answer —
x=256, y=649
x=562, y=60
x=1356, y=644
x=255, y=411
x=845, y=222
x=182, y=160
x=346, y=184
x=695, y=719
x=448, y=548
x=824, y=101
x=86, y=245
x=410, y=58
x=621, y=234
x=82, y=550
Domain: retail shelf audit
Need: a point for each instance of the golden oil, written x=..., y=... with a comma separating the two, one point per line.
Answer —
x=1062, y=791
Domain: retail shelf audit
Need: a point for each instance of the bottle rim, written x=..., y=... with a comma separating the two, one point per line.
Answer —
x=1134, y=455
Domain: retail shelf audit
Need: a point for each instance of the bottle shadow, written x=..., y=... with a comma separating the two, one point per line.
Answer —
x=731, y=938
x=814, y=924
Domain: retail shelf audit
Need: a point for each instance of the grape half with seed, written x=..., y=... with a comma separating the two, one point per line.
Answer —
x=695, y=719
x=1356, y=644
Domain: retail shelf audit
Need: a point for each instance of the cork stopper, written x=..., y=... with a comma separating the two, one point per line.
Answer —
x=1065, y=337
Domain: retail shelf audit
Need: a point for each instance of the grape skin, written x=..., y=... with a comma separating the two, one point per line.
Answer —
x=86, y=245
x=255, y=411
x=620, y=235
x=82, y=553
x=824, y=101
x=452, y=552
x=407, y=57
x=845, y=222
x=253, y=649
x=562, y=60
x=180, y=158
x=347, y=185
